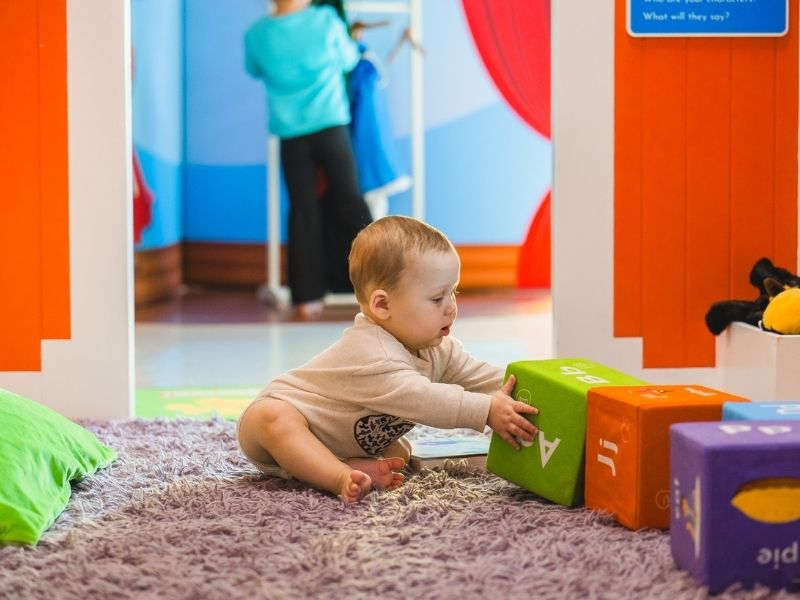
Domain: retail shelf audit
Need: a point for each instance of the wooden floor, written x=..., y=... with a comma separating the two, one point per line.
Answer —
x=225, y=305
x=215, y=337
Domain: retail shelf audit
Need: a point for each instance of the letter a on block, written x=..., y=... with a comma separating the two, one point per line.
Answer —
x=546, y=449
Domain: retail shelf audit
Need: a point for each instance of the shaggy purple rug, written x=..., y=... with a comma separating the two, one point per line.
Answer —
x=182, y=515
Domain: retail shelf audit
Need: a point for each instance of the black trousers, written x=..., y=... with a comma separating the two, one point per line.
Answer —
x=321, y=229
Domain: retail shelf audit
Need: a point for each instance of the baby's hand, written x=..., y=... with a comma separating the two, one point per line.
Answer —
x=505, y=416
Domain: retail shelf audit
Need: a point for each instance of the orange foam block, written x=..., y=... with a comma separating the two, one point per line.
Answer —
x=627, y=446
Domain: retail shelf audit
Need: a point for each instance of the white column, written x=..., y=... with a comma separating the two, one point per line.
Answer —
x=583, y=196
x=92, y=375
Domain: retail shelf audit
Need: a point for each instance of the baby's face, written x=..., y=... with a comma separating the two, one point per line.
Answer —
x=423, y=307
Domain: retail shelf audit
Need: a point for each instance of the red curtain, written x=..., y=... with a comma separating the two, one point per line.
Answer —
x=142, y=195
x=513, y=40
x=142, y=199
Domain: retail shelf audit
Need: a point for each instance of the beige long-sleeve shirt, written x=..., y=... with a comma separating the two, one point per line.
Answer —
x=367, y=390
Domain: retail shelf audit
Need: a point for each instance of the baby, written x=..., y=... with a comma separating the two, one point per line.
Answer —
x=338, y=422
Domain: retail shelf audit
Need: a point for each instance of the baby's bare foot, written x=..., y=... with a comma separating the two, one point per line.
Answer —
x=355, y=486
x=382, y=471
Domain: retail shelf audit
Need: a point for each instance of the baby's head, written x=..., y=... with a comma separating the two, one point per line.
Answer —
x=405, y=274
x=383, y=251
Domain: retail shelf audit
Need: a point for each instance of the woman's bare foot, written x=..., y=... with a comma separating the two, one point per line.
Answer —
x=309, y=311
x=382, y=471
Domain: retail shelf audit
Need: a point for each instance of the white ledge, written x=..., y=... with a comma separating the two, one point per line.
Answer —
x=757, y=364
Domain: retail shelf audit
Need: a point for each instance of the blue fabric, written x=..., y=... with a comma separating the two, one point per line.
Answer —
x=302, y=58
x=374, y=144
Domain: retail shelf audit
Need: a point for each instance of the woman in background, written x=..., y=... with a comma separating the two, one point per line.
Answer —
x=302, y=53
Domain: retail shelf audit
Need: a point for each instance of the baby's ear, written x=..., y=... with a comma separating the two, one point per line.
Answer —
x=379, y=304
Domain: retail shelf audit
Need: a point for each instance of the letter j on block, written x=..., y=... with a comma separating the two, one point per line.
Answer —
x=627, y=446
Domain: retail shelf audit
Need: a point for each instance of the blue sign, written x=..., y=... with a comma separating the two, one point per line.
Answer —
x=686, y=18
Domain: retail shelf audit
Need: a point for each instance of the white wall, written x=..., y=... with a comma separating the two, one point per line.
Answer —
x=91, y=375
x=583, y=195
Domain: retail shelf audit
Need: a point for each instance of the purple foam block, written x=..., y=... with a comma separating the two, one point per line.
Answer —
x=723, y=534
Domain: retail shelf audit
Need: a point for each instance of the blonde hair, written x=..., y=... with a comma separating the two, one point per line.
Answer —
x=380, y=252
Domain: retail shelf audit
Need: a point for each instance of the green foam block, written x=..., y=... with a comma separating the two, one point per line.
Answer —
x=552, y=467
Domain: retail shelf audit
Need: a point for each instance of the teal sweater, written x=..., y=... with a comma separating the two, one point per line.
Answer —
x=302, y=58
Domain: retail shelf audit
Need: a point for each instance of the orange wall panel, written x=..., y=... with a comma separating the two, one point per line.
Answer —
x=20, y=251
x=663, y=175
x=786, y=125
x=34, y=252
x=708, y=100
x=54, y=180
x=705, y=180
x=752, y=159
x=628, y=184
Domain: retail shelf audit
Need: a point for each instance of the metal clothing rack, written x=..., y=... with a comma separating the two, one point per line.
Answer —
x=272, y=293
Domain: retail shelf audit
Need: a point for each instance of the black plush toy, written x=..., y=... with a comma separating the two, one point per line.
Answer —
x=771, y=281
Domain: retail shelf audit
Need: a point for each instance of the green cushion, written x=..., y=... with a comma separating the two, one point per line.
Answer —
x=41, y=452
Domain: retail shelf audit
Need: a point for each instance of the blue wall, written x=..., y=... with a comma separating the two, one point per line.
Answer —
x=200, y=127
x=158, y=122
